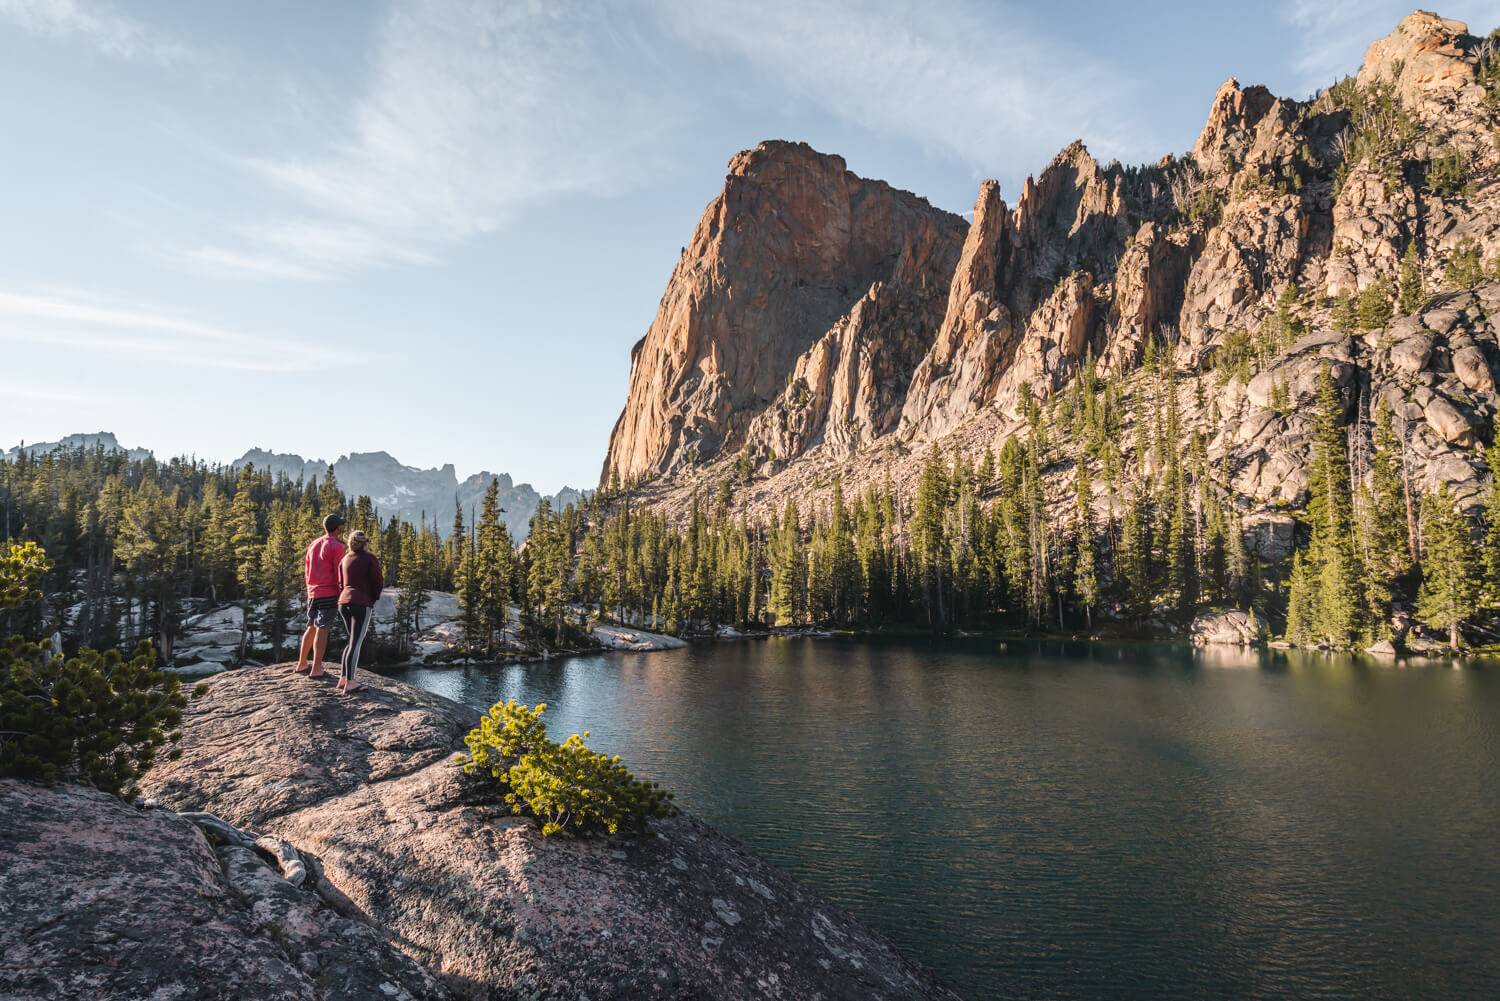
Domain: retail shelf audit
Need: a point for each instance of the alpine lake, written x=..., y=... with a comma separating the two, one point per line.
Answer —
x=1036, y=819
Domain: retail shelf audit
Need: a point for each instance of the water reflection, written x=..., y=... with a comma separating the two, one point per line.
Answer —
x=1073, y=820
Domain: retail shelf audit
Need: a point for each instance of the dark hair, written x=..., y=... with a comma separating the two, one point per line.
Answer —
x=332, y=521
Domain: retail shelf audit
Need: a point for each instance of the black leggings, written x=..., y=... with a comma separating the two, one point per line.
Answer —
x=357, y=620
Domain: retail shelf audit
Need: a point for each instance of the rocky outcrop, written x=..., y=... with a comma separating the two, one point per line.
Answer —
x=848, y=389
x=430, y=858
x=792, y=244
x=100, y=900
x=1279, y=205
x=978, y=331
x=1022, y=307
x=1425, y=56
x=1228, y=628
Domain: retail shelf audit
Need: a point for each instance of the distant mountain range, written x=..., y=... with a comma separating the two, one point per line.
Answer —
x=395, y=489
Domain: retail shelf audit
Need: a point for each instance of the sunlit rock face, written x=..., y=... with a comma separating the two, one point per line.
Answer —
x=820, y=327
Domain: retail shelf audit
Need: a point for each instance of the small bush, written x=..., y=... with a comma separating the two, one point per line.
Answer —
x=566, y=786
x=1206, y=207
x=1344, y=317
x=96, y=718
x=1232, y=358
x=1448, y=175
x=1375, y=306
x=1465, y=268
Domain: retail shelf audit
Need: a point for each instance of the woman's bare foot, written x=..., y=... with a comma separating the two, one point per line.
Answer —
x=301, y=669
x=319, y=673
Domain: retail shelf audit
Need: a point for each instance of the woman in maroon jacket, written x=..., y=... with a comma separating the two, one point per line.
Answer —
x=361, y=580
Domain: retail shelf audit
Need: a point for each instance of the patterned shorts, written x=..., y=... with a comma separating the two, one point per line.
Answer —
x=323, y=612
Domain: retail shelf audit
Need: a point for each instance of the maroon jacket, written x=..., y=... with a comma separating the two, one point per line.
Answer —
x=360, y=578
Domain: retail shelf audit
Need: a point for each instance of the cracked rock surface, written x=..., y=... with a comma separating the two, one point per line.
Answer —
x=101, y=900
x=430, y=857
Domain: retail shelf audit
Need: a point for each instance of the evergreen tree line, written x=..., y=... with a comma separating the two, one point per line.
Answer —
x=1063, y=522
x=136, y=545
x=1376, y=545
x=1102, y=507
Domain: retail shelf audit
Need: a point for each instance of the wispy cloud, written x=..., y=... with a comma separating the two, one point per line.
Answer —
x=472, y=112
x=41, y=394
x=77, y=320
x=1332, y=35
x=109, y=32
x=962, y=77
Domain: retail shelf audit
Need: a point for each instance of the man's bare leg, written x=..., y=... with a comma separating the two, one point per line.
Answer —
x=320, y=646
x=306, y=651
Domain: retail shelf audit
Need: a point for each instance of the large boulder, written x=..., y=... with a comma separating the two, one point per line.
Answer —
x=1473, y=370
x=1411, y=354
x=100, y=900
x=369, y=784
x=1228, y=628
x=1448, y=421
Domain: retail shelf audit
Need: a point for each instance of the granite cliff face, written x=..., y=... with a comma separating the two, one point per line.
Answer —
x=822, y=324
x=795, y=251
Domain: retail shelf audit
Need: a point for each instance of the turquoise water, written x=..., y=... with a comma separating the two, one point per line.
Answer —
x=1052, y=820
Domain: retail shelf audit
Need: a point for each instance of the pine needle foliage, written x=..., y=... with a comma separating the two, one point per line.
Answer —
x=97, y=718
x=567, y=787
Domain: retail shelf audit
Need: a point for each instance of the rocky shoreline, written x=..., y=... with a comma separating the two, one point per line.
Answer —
x=417, y=882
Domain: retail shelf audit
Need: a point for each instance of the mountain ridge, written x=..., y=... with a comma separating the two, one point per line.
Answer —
x=1282, y=209
x=408, y=492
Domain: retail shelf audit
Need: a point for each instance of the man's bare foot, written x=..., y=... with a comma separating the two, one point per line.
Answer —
x=351, y=688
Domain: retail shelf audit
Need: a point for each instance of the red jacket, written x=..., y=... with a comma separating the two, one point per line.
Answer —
x=321, y=570
x=360, y=579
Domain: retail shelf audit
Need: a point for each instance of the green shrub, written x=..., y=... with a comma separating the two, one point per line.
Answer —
x=1448, y=175
x=1410, y=283
x=1466, y=267
x=1233, y=357
x=1375, y=306
x=1206, y=207
x=566, y=786
x=97, y=718
x=1344, y=317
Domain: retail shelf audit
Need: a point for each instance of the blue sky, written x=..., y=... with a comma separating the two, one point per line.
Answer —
x=437, y=227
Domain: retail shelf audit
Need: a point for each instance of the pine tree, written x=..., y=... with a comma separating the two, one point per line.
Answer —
x=1383, y=523
x=494, y=566
x=1410, y=280
x=411, y=602
x=927, y=537
x=1329, y=510
x=1450, y=583
x=280, y=575
x=1182, y=580
x=1085, y=572
x=1345, y=317
x=150, y=544
x=1375, y=309
x=1301, y=606
x=1492, y=530
x=330, y=497
x=549, y=549
x=1132, y=561
x=788, y=569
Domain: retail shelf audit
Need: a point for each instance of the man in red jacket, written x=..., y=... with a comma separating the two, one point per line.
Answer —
x=321, y=572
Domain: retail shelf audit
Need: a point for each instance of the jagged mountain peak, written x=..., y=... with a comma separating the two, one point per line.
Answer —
x=1424, y=56
x=792, y=243
x=1194, y=253
x=104, y=440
